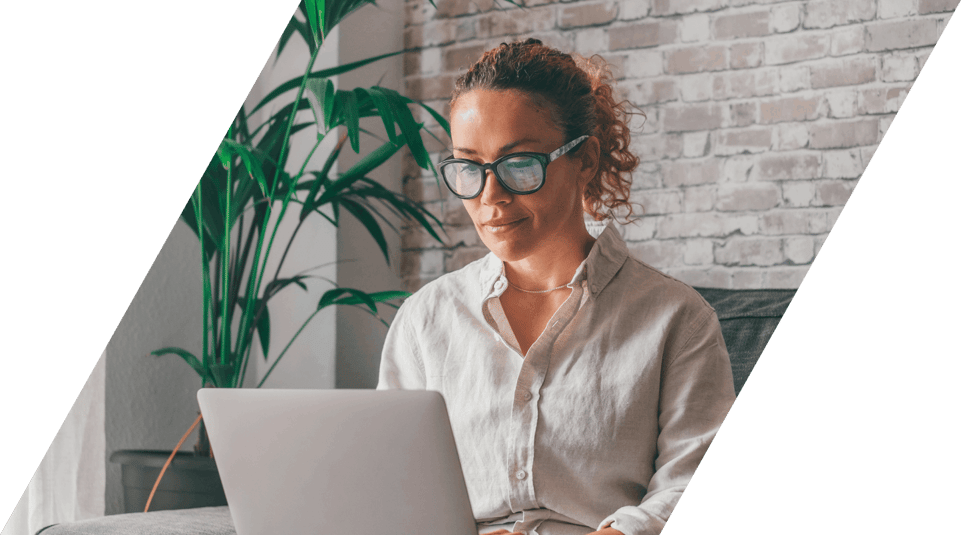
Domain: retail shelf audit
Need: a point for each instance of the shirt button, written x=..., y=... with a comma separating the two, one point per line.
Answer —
x=528, y=396
x=520, y=474
x=498, y=285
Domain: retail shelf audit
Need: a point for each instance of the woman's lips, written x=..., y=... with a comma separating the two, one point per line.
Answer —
x=496, y=226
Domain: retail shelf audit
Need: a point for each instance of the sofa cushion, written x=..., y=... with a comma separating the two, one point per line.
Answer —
x=748, y=317
x=199, y=521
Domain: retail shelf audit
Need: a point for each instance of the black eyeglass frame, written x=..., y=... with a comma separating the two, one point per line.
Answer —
x=543, y=158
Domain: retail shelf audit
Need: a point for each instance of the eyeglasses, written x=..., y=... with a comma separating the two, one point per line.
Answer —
x=520, y=173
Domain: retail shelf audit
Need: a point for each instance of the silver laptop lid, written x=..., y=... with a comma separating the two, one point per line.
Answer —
x=337, y=461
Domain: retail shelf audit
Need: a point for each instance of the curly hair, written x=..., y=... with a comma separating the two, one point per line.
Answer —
x=579, y=94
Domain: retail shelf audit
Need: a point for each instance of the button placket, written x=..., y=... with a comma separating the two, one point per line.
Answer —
x=540, y=362
x=523, y=418
x=525, y=414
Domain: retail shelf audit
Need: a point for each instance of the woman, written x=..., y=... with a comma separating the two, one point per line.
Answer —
x=583, y=386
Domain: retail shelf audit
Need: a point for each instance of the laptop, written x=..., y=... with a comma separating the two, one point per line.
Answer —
x=337, y=461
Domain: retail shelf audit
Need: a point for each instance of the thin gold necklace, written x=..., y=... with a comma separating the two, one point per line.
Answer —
x=534, y=291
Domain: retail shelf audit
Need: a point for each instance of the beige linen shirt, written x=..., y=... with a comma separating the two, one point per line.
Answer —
x=606, y=417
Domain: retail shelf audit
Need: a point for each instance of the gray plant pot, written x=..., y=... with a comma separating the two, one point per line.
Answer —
x=190, y=480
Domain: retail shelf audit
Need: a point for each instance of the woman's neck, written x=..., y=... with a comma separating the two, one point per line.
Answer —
x=553, y=263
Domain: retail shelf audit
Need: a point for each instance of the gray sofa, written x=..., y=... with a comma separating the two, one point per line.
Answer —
x=747, y=317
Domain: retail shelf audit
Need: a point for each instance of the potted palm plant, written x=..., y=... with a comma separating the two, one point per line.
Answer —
x=249, y=187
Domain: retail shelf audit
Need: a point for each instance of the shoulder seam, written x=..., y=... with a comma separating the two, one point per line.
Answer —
x=660, y=273
x=705, y=315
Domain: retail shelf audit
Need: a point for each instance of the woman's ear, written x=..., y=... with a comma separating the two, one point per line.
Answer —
x=587, y=158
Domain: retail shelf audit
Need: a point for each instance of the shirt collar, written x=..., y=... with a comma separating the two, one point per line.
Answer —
x=604, y=261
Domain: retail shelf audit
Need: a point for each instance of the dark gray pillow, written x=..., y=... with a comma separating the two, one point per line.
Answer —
x=748, y=318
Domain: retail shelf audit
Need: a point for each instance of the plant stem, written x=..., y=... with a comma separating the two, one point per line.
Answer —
x=277, y=173
x=272, y=366
x=287, y=249
x=236, y=262
x=310, y=155
x=252, y=287
x=299, y=223
x=205, y=271
x=218, y=262
x=243, y=263
x=225, y=285
x=249, y=332
x=290, y=121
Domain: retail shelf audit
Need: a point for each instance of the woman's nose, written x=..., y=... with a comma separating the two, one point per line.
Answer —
x=494, y=192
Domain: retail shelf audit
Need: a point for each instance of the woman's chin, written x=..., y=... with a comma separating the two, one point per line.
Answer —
x=507, y=242
x=507, y=250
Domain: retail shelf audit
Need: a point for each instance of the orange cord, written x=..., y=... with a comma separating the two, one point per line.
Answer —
x=169, y=459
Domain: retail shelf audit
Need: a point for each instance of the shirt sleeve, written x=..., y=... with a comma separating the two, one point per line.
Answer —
x=401, y=366
x=697, y=390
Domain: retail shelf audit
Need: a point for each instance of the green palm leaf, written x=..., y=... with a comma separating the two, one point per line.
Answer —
x=337, y=10
x=187, y=356
x=335, y=297
x=277, y=285
x=364, y=216
x=382, y=103
x=433, y=113
x=247, y=190
x=263, y=329
x=294, y=83
x=352, y=114
x=366, y=164
x=321, y=97
x=400, y=202
x=285, y=37
x=409, y=128
x=222, y=375
x=315, y=18
x=377, y=297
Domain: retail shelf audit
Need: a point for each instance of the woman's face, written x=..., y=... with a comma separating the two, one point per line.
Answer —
x=486, y=125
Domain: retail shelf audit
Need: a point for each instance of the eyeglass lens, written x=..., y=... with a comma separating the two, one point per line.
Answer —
x=520, y=174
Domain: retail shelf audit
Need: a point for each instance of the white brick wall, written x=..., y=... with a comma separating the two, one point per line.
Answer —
x=761, y=117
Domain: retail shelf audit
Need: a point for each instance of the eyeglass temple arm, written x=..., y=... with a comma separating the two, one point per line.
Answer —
x=565, y=149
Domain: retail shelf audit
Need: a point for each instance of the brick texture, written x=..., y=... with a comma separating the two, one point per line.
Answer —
x=750, y=24
x=830, y=13
x=587, y=15
x=936, y=6
x=901, y=34
x=642, y=34
x=761, y=117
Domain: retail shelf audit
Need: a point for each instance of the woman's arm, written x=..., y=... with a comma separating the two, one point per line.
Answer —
x=697, y=390
x=607, y=531
x=401, y=366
